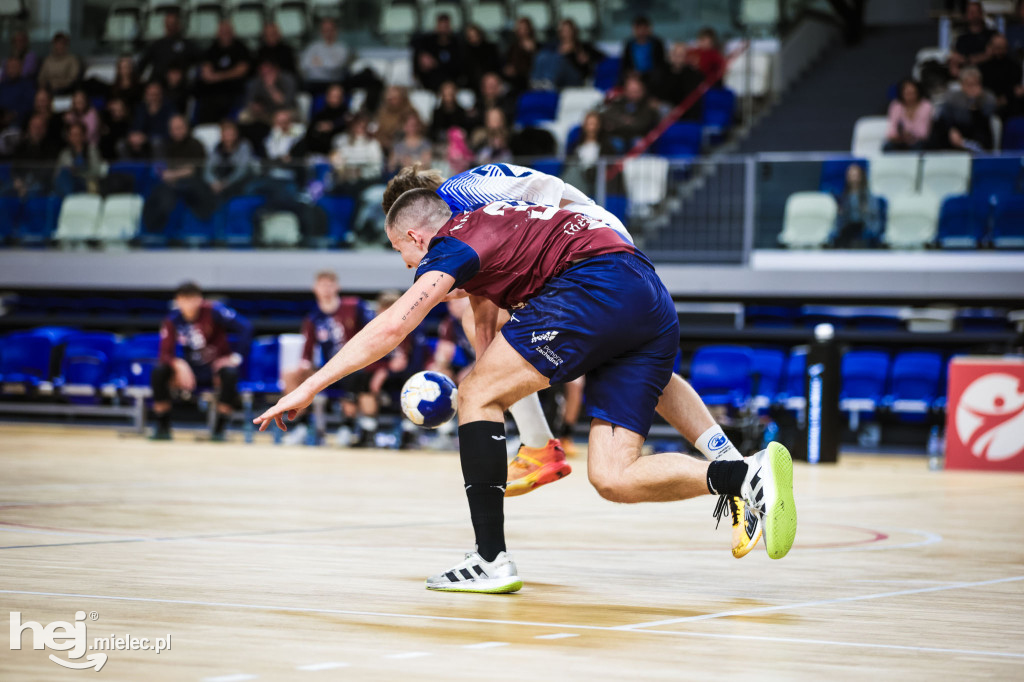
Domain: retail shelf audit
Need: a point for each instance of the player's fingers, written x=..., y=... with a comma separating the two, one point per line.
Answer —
x=262, y=422
x=292, y=414
x=280, y=422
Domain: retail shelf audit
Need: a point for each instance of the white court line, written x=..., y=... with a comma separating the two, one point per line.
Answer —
x=315, y=667
x=557, y=635
x=230, y=678
x=560, y=626
x=409, y=654
x=907, y=582
x=819, y=602
x=485, y=645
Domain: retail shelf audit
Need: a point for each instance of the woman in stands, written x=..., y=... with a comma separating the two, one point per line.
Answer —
x=79, y=165
x=413, y=148
x=82, y=111
x=858, y=223
x=519, y=58
x=910, y=119
x=592, y=145
x=126, y=86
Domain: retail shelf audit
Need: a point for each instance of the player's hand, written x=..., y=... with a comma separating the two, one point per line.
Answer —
x=184, y=376
x=288, y=405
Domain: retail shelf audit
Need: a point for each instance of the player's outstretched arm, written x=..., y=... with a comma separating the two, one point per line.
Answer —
x=378, y=338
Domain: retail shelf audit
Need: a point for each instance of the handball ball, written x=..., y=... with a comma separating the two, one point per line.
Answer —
x=429, y=399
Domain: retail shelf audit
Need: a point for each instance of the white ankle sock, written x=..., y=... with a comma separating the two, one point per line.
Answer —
x=714, y=444
x=534, y=431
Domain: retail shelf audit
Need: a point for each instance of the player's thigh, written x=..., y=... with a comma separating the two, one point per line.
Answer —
x=500, y=377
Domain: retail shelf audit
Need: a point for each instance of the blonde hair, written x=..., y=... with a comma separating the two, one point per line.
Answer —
x=386, y=299
x=410, y=177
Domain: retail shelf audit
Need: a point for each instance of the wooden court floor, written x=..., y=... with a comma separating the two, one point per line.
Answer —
x=274, y=563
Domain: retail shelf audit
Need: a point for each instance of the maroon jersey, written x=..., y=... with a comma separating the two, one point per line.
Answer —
x=331, y=331
x=204, y=339
x=507, y=250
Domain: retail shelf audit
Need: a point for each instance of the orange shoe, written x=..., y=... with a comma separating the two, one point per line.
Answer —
x=533, y=467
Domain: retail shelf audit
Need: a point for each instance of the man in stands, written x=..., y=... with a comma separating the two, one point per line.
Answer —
x=273, y=49
x=34, y=155
x=436, y=55
x=181, y=180
x=61, y=69
x=226, y=65
x=152, y=117
x=644, y=53
x=971, y=46
x=270, y=91
x=325, y=60
x=678, y=80
x=200, y=329
x=173, y=48
x=1002, y=76
x=335, y=320
x=965, y=119
x=632, y=115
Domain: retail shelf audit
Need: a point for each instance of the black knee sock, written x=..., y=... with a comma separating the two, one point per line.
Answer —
x=484, y=468
x=220, y=423
x=163, y=421
x=725, y=477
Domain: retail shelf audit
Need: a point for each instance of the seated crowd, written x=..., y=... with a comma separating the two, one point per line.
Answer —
x=149, y=112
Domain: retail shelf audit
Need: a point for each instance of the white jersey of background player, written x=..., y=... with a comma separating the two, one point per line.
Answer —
x=483, y=185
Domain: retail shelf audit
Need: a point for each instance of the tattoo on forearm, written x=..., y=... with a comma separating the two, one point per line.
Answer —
x=419, y=300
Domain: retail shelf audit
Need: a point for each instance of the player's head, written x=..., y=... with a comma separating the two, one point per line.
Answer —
x=188, y=298
x=410, y=177
x=412, y=222
x=325, y=288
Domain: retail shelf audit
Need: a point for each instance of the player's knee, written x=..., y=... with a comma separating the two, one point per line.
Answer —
x=610, y=486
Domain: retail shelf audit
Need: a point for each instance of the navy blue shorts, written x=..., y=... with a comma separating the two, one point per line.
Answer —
x=610, y=318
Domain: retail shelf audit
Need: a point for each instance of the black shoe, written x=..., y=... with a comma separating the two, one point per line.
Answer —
x=160, y=434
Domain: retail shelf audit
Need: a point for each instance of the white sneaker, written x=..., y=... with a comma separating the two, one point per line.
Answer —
x=768, y=488
x=296, y=435
x=476, y=575
x=345, y=437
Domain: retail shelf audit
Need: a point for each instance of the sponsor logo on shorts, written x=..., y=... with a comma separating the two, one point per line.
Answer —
x=550, y=355
x=542, y=337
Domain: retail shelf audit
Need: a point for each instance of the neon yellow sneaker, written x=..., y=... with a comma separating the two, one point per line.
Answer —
x=474, y=574
x=746, y=524
x=768, y=490
x=533, y=467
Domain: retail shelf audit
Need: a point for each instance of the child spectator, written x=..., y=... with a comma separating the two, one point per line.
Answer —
x=60, y=70
x=200, y=328
x=492, y=141
x=910, y=119
x=116, y=124
x=858, y=222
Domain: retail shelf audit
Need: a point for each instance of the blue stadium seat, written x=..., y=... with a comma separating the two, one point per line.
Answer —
x=549, y=166
x=263, y=364
x=37, y=220
x=1008, y=223
x=340, y=211
x=995, y=177
x=140, y=173
x=535, y=106
x=25, y=362
x=833, y=174
x=196, y=232
x=963, y=221
x=134, y=361
x=722, y=375
x=238, y=219
x=915, y=385
x=982, y=319
x=876, y=318
x=719, y=108
x=618, y=206
x=606, y=75
x=792, y=396
x=813, y=315
x=1013, y=134
x=769, y=316
x=767, y=365
x=87, y=363
x=157, y=236
x=10, y=208
x=864, y=376
x=681, y=140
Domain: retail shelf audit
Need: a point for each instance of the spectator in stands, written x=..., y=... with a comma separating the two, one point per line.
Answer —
x=571, y=62
x=201, y=329
x=126, y=86
x=858, y=222
x=1002, y=75
x=632, y=115
x=176, y=89
x=327, y=123
x=583, y=155
x=152, y=116
x=492, y=95
x=229, y=165
x=114, y=129
x=334, y=321
x=965, y=118
x=283, y=174
x=269, y=92
x=82, y=111
x=61, y=69
x=225, y=68
x=395, y=108
x=457, y=152
x=324, y=61
x=21, y=49
x=173, y=48
x=707, y=54
x=1015, y=32
x=413, y=147
x=492, y=141
x=448, y=114
x=677, y=80
x=181, y=180
x=79, y=165
x=910, y=119
x=42, y=105
x=272, y=49
x=32, y=167
x=284, y=135
x=972, y=44
x=479, y=56
x=357, y=158
x=644, y=53
x=520, y=56
x=436, y=56
x=17, y=94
